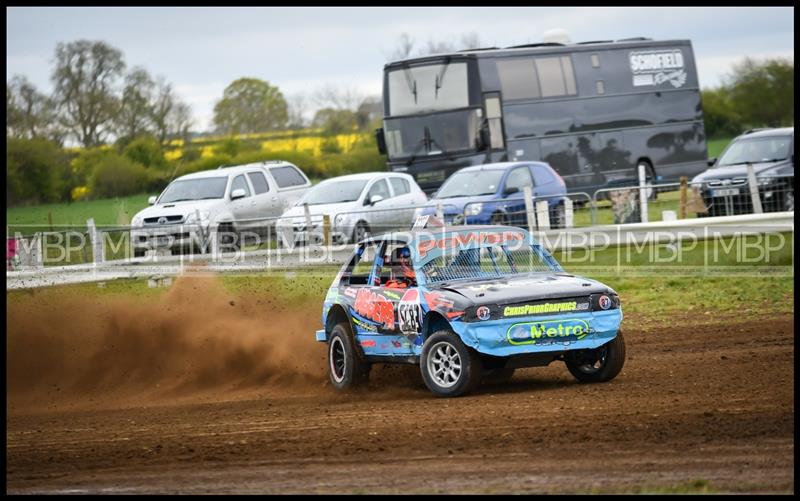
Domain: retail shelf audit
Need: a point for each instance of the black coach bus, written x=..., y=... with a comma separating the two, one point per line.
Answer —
x=594, y=111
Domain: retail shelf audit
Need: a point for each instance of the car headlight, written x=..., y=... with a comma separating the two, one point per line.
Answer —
x=473, y=209
x=764, y=181
x=137, y=221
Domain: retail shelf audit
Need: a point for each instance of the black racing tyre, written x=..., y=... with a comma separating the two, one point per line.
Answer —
x=449, y=368
x=598, y=365
x=498, y=376
x=346, y=365
x=360, y=232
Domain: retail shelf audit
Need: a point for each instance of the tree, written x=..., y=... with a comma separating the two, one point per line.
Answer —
x=179, y=121
x=718, y=114
x=37, y=171
x=762, y=92
x=329, y=96
x=134, y=117
x=85, y=77
x=146, y=151
x=369, y=113
x=334, y=121
x=117, y=176
x=342, y=110
x=161, y=109
x=405, y=46
x=29, y=113
x=250, y=105
x=297, y=105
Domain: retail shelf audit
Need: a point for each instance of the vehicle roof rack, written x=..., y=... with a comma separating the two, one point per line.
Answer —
x=543, y=44
x=481, y=48
x=634, y=39
x=750, y=131
x=594, y=41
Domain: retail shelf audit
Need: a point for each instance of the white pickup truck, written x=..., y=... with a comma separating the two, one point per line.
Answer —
x=220, y=203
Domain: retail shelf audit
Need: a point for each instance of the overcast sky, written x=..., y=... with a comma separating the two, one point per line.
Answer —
x=200, y=50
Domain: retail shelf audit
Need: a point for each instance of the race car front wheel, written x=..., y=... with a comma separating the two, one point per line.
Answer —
x=346, y=366
x=449, y=368
x=598, y=365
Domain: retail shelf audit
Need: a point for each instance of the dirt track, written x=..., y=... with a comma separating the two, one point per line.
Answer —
x=209, y=412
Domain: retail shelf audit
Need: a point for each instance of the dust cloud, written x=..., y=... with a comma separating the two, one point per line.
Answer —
x=197, y=342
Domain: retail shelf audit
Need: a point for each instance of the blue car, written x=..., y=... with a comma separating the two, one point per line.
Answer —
x=493, y=194
x=466, y=304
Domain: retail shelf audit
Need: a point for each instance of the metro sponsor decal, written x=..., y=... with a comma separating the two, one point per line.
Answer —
x=471, y=239
x=548, y=332
x=375, y=307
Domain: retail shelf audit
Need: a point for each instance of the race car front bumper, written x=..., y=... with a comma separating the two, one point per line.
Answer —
x=551, y=333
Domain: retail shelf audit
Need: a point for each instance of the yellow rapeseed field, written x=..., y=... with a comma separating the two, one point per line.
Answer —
x=173, y=154
x=310, y=144
x=307, y=140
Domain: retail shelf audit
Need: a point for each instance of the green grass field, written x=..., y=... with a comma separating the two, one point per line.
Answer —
x=106, y=212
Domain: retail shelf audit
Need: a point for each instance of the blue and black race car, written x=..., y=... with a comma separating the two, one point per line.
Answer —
x=467, y=304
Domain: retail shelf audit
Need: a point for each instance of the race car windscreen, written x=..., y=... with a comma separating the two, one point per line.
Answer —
x=494, y=261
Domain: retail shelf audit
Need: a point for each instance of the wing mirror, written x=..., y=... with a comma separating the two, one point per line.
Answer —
x=151, y=200
x=483, y=139
x=511, y=190
x=380, y=138
x=237, y=193
x=375, y=199
x=712, y=161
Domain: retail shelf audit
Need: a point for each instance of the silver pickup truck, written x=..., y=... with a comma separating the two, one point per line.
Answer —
x=222, y=203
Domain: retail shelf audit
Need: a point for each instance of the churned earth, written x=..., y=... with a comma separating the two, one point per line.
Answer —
x=201, y=393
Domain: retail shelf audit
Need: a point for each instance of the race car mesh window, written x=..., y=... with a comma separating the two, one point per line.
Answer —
x=483, y=263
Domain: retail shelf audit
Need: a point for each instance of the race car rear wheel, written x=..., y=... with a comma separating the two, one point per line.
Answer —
x=449, y=368
x=346, y=366
x=598, y=365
